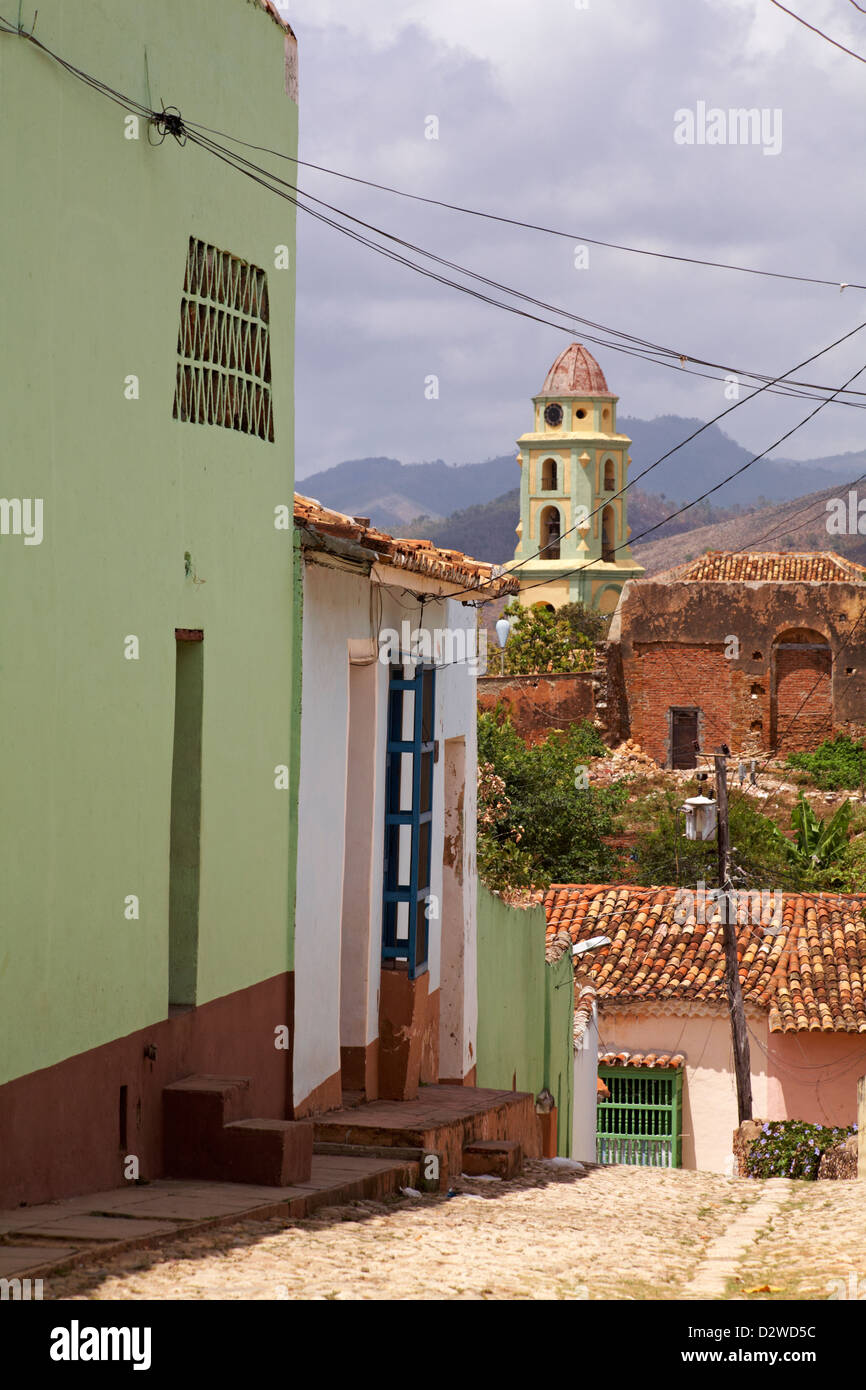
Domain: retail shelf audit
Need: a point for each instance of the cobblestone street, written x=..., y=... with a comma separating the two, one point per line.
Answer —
x=553, y=1233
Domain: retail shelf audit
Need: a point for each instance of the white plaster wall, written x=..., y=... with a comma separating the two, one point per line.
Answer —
x=585, y=1093
x=331, y=614
x=337, y=609
x=709, y=1087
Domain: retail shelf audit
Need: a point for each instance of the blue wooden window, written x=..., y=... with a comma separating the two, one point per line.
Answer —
x=411, y=753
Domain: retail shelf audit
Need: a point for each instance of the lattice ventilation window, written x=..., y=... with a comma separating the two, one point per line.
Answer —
x=223, y=349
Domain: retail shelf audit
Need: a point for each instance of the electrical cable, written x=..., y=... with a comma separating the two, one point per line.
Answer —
x=526, y=226
x=628, y=344
x=819, y=32
x=170, y=121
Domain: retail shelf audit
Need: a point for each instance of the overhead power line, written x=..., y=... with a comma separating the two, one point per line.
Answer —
x=820, y=32
x=616, y=340
x=629, y=344
x=530, y=226
x=172, y=123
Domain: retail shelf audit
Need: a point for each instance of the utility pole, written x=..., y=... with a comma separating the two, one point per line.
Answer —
x=739, y=1036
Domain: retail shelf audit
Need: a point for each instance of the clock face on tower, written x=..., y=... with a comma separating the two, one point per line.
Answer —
x=553, y=415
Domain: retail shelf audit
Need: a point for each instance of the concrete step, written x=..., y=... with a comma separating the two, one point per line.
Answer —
x=274, y=1153
x=209, y=1134
x=442, y=1122
x=503, y=1158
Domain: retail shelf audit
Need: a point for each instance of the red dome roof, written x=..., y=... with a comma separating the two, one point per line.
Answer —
x=575, y=373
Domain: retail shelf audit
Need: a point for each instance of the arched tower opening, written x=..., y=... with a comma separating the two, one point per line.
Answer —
x=551, y=529
x=549, y=476
x=608, y=535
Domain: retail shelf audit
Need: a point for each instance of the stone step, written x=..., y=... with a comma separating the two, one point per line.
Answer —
x=274, y=1153
x=209, y=1134
x=503, y=1158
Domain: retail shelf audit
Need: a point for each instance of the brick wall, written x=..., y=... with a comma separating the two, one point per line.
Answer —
x=665, y=674
x=726, y=649
x=539, y=703
x=804, y=697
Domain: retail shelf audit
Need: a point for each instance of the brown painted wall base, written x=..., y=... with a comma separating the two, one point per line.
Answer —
x=408, y=1035
x=62, y=1126
x=360, y=1069
x=328, y=1095
x=467, y=1080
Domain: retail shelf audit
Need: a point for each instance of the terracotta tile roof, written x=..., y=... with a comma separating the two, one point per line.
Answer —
x=803, y=962
x=419, y=556
x=575, y=373
x=811, y=566
x=641, y=1059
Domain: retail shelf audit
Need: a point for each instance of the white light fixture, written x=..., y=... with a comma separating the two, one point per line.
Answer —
x=701, y=814
x=594, y=943
x=503, y=632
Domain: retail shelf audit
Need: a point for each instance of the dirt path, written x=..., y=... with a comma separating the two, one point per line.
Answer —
x=552, y=1233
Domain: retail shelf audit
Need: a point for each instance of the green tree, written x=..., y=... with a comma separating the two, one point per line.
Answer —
x=552, y=829
x=544, y=641
x=763, y=858
x=585, y=622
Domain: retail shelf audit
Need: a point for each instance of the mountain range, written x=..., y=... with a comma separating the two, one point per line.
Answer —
x=474, y=507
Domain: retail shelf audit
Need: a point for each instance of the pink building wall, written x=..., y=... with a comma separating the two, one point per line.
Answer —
x=795, y=1076
x=813, y=1076
x=709, y=1089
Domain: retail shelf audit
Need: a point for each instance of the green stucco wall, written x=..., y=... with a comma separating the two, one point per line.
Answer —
x=525, y=1008
x=94, y=238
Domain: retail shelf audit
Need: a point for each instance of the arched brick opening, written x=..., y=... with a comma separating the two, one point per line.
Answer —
x=801, y=708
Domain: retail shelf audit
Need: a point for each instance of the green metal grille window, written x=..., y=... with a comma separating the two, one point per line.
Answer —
x=223, y=349
x=642, y=1121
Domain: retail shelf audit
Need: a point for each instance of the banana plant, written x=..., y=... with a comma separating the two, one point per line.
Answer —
x=819, y=842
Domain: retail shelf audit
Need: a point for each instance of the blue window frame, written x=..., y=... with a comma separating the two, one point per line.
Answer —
x=410, y=757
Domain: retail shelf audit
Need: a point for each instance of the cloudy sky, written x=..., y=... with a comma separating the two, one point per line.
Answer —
x=562, y=112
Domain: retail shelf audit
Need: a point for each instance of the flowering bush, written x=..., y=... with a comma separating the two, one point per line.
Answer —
x=502, y=863
x=792, y=1149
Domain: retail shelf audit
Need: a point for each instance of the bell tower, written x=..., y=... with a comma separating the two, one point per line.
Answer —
x=572, y=538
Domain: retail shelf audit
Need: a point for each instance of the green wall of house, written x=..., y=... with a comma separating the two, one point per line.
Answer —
x=94, y=239
x=525, y=1008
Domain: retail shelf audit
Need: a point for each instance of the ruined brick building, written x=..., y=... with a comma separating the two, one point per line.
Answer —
x=756, y=650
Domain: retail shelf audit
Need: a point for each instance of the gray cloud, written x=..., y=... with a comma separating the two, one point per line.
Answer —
x=566, y=117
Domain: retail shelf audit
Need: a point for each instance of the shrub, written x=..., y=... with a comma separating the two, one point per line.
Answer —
x=535, y=825
x=792, y=1149
x=664, y=855
x=836, y=763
